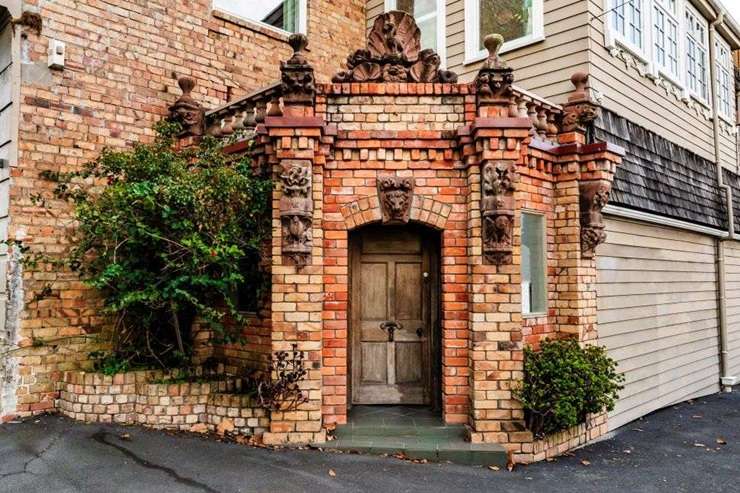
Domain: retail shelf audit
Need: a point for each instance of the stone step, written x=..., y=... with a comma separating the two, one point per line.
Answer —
x=433, y=443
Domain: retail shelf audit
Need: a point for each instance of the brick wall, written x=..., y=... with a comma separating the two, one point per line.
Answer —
x=123, y=58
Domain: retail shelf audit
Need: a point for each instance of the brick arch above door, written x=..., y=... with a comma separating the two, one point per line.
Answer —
x=424, y=210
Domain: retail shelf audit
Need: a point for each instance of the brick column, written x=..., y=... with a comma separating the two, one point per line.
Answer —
x=294, y=153
x=499, y=142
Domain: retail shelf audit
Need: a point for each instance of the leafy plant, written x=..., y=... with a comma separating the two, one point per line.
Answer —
x=162, y=234
x=564, y=383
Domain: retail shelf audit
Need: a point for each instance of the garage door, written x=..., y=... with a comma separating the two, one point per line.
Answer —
x=657, y=314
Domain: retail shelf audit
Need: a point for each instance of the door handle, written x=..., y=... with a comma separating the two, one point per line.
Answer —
x=391, y=326
x=419, y=332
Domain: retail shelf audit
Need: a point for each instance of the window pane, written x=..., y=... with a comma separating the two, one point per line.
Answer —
x=534, y=290
x=510, y=18
x=425, y=14
x=282, y=14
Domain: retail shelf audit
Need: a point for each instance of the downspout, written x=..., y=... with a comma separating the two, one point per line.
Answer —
x=726, y=381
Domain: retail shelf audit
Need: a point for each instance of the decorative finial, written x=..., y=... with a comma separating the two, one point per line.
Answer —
x=579, y=81
x=298, y=42
x=493, y=43
x=298, y=83
x=186, y=110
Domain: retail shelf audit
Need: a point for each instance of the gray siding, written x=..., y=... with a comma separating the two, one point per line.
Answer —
x=657, y=315
x=732, y=270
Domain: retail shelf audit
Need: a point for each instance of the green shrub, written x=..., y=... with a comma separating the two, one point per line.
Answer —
x=564, y=383
x=162, y=233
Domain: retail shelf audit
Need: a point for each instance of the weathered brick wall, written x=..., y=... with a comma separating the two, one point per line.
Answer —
x=142, y=397
x=122, y=61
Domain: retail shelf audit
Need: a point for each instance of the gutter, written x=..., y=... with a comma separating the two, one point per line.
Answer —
x=726, y=380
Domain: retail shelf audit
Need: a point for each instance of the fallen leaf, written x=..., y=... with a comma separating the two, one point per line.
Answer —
x=696, y=416
x=699, y=445
x=224, y=427
x=627, y=451
x=332, y=473
x=721, y=441
x=199, y=428
x=585, y=462
x=124, y=436
x=494, y=468
x=510, y=466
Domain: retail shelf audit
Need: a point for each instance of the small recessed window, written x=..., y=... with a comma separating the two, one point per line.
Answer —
x=284, y=15
x=534, y=278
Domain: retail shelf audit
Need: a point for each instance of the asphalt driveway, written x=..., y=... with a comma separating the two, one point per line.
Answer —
x=691, y=447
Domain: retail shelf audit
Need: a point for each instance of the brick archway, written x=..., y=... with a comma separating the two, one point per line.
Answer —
x=424, y=210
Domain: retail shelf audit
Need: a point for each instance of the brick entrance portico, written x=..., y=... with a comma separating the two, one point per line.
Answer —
x=466, y=159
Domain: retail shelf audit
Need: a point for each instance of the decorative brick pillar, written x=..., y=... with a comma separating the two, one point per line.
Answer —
x=291, y=143
x=499, y=143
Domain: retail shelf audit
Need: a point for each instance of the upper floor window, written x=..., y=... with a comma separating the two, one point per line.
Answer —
x=284, y=15
x=697, y=54
x=430, y=17
x=665, y=37
x=520, y=22
x=627, y=22
x=725, y=80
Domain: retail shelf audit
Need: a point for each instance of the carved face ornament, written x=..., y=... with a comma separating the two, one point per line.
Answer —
x=296, y=181
x=396, y=197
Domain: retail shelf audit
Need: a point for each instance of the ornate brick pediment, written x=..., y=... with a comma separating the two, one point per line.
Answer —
x=394, y=54
x=396, y=195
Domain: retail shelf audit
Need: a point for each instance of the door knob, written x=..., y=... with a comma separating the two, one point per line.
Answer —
x=390, y=326
x=419, y=332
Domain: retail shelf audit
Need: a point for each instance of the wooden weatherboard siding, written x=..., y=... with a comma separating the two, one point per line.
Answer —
x=732, y=270
x=657, y=315
x=639, y=99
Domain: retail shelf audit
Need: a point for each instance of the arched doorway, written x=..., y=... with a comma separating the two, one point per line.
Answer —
x=394, y=315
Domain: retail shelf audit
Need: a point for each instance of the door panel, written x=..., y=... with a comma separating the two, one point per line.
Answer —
x=391, y=287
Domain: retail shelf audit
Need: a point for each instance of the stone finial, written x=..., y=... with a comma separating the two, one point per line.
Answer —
x=394, y=54
x=493, y=43
x=580, y=112
x=580, y=82
x=494, y=79
x=187, y=111
x=297, y=77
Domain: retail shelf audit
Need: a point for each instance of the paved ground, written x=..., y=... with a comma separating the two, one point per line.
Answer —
x=680, y=449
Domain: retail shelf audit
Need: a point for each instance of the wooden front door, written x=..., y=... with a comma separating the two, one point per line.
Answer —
x=393, y=316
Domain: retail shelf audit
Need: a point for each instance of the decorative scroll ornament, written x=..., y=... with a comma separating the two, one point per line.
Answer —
x=394, y=54
x=396, y=194
x=297, y=77
x=187, y=111
x=497, y=211
x=580, y=112
x=296, y=212
x=494, y=79
x=594, y=196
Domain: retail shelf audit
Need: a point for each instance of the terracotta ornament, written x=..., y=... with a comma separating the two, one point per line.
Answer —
x=298, y=83
x=494, y=79
x=396, y=194
x=497, y=211
x=296, y=212
x=594, y=195
x=187, y=111
x=579, y=112
x=394, y=54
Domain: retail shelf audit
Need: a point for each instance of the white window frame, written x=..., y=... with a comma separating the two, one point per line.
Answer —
x=472, y=31
x=614, y=38
x=545, y=281
x=677, y=18
x=703, y=99
x=441, y=27
x=302, y=17
x=725, y=67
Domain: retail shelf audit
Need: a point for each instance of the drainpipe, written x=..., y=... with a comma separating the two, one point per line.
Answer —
x=726, y=380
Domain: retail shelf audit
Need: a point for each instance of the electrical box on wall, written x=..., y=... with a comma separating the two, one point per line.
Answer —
x=56, y=54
